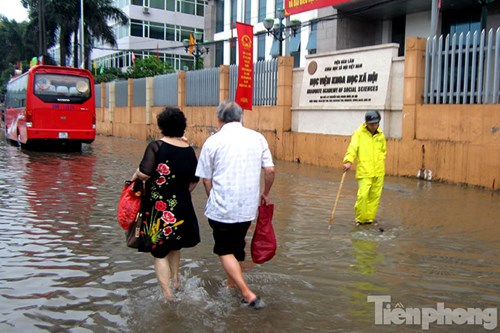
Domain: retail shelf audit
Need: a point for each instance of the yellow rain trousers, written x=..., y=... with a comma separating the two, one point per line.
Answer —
x=370, y=151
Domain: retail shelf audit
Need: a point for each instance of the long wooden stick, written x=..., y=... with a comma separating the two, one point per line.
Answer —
x=336, y=200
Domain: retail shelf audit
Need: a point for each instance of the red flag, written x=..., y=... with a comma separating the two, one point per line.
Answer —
x=157, y=51
x=244, y=89
x=133, y=58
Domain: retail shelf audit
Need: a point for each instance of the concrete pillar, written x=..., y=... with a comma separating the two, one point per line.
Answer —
x=413, y=93
x=181, y=89
x=224, y=83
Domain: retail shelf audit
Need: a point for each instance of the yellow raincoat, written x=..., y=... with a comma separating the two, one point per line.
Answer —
x=370, y=151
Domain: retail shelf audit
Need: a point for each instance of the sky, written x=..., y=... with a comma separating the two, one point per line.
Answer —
x=13, y=10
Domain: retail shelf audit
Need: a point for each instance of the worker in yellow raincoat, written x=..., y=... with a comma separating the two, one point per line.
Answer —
x=368, y=146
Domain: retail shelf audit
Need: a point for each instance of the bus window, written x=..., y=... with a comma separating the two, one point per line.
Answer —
x=62, y=88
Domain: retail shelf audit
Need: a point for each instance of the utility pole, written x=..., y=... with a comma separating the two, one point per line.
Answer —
x=82, y=40
x=42, y=45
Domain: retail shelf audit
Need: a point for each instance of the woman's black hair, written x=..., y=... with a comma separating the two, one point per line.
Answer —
x=172, y=122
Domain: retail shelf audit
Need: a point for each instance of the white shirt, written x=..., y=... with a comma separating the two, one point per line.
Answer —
x=233, y=159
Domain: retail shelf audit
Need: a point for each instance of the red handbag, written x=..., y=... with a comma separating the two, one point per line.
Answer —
x=130, y=203
x=263, y=246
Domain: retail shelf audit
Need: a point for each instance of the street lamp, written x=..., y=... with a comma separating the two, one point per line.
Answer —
x=196, y=48
x=278, y=31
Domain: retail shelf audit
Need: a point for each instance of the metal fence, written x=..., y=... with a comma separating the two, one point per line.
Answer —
x=202, y=87
x=165, y=90
x=463, y=69
x=139, y=91
x=121, y=93
x=97, y=91
x=265, y=82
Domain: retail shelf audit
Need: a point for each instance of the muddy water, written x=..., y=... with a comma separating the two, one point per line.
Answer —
x=65, y=268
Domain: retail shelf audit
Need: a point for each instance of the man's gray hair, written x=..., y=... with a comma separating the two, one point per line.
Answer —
x=229, y=111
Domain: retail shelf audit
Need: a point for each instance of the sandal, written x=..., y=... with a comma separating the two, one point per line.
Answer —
x=257, y=304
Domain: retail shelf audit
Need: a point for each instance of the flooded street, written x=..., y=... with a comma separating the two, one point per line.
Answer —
x=65, y=267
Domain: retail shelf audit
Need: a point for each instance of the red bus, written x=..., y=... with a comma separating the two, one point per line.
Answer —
x=51, y=105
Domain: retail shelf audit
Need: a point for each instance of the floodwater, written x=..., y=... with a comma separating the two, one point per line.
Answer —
x=65, y=267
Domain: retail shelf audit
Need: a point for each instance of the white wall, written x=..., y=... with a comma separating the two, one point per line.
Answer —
x=418, y=24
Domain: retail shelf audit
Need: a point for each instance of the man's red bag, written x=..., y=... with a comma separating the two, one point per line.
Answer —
x=130, y=203
x=263, y=245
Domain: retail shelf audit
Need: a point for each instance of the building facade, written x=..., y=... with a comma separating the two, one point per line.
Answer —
x=350, y=24
x=156, y=27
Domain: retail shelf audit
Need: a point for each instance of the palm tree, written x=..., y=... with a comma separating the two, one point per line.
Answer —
x=62, y=22
x=96, y=24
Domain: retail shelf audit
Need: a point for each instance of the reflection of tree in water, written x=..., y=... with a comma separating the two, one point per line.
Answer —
x=366, y=255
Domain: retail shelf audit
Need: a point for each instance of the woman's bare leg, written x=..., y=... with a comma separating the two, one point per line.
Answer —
x=174, y=259
x=162, y=270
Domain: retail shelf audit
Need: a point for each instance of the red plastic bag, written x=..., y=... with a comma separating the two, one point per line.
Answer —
x=130, y=203
x=263, y=245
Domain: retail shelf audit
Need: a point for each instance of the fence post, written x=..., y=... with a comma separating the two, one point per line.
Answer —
x=103, y=99
x=414, y=78
x=224, y=82
x=130, y=102
x=112, y=101
x=284, y=91
x=149, y=98
x=181, y=89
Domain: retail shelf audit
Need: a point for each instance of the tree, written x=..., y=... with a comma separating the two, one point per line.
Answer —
x=148, y=67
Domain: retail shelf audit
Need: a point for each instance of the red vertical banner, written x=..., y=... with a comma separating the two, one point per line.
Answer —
x=244, y=89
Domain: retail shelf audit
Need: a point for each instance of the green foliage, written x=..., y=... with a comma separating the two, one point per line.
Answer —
x=108, y=75
x=148, y=67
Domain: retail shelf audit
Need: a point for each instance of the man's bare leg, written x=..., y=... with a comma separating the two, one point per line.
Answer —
x=235, y=275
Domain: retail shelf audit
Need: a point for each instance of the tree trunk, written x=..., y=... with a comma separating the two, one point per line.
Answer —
x=75, y=49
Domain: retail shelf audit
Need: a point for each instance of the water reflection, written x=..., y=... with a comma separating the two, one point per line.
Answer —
x=65, y=267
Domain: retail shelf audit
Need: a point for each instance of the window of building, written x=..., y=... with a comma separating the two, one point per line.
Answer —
x=398, y=33
x=234, y=10
x=187, y=7
x=278, y=5
x=275, y=49
x=137, y=2
x=311, y=43
x=200, y=8
x=248, y=11
x=136, y=28
x=261, y=47
x=157, y=31
x=219, y=53
x=121, y=3
x=170, y=32
x=170, y=5
x=185, y=62
x=294, y=49
x=219, y=16
x=232, y=60
x=159, y=4
x=262, y=10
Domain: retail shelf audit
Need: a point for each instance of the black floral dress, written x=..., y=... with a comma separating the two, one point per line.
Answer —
x=168, y=218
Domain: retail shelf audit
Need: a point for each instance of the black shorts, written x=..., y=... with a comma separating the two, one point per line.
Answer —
x=230, y=238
